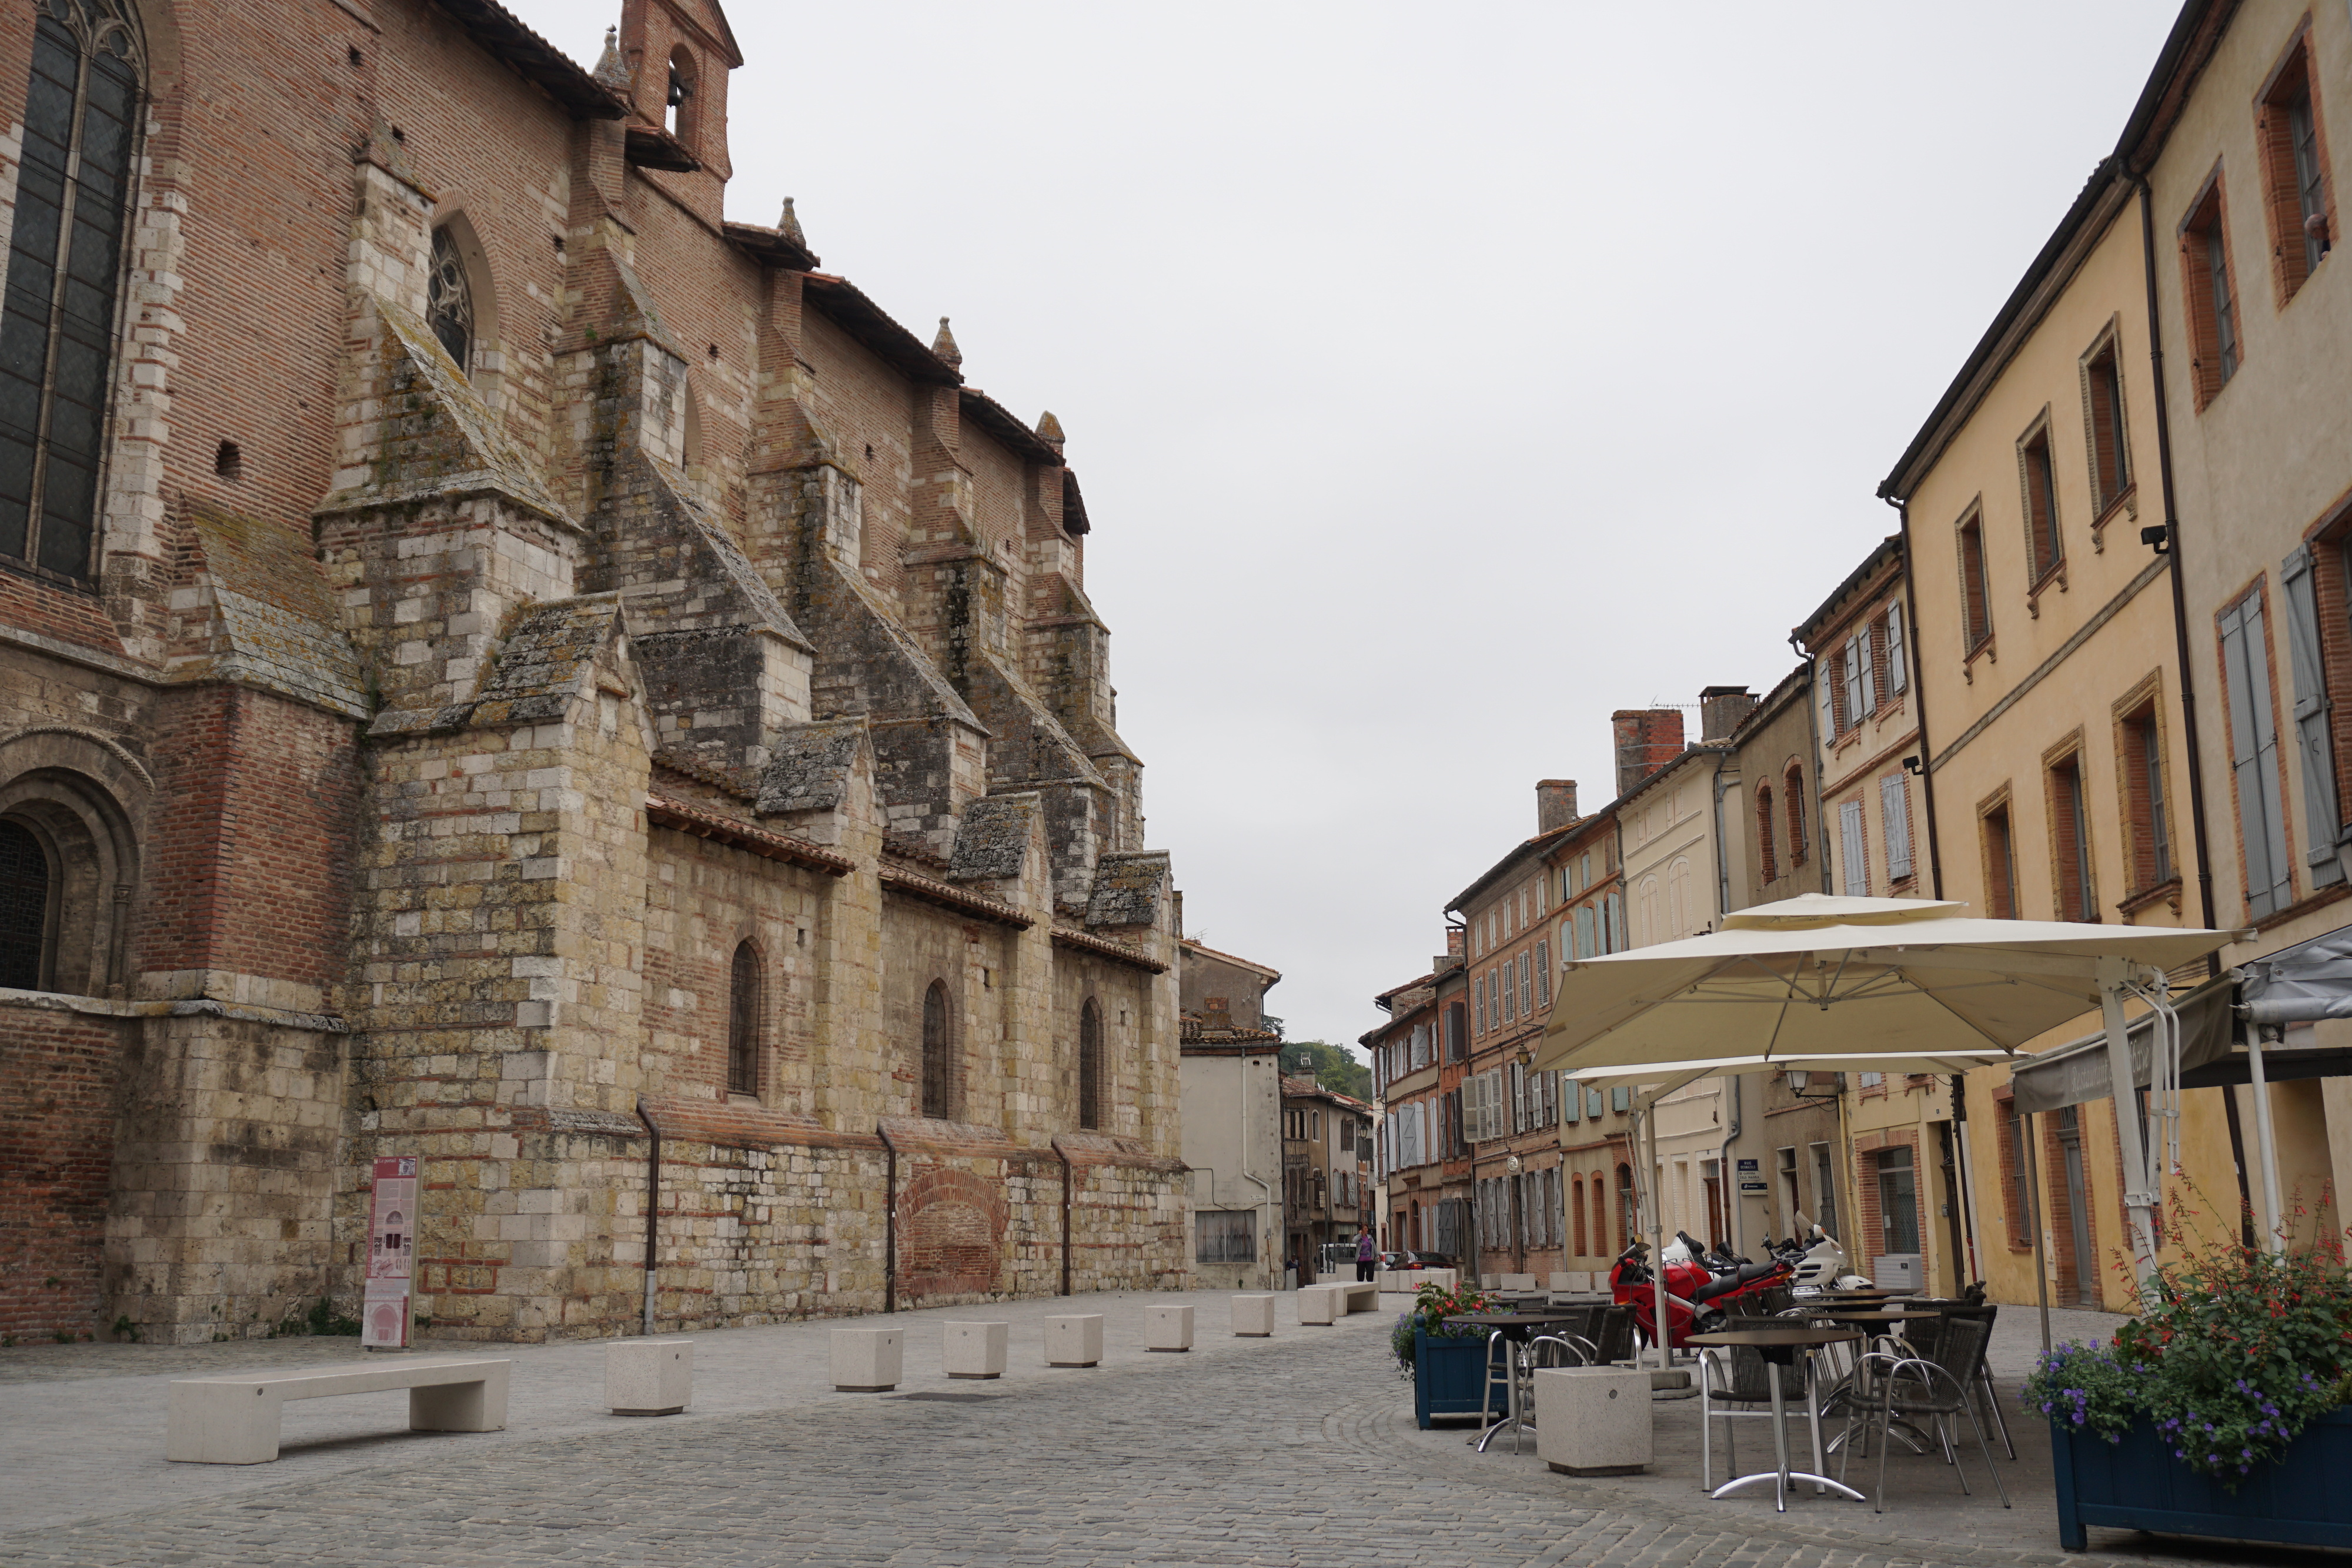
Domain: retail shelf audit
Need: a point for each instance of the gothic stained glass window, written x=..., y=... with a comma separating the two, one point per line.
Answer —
x=939, y=1058
x=449, y=300
x=1091, y=1066
x=65, y=264
x=24, y=907
x=743, y=1022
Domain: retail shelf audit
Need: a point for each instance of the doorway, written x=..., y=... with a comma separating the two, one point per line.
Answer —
x=1898, y=1202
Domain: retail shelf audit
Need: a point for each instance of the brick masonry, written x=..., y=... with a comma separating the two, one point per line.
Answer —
x=414, y=781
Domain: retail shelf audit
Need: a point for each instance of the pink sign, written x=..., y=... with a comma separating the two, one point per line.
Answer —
x=392, y=1220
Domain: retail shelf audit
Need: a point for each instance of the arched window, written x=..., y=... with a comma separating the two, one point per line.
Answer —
x=64, y=266
x=743, y=1022
x=1793, y=795
x=24, y=908
x=1091, y=1066
x=1764, y=830
x=939, y=1053
x=681, y=114
x=449, y=298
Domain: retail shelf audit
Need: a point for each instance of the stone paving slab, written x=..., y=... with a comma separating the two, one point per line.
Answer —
x=1297, y=1450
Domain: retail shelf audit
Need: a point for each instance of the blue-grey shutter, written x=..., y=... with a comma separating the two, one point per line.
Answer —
x=1896, y=813
x=1853, y=858
x=2253, y=758
x=1851, y=666
x=1571, y=1100
x=2315, y=744
x=1868, y=670
x=1897, y=676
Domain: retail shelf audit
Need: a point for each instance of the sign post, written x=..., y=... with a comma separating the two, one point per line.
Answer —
x=1751, y=1179
x=385, y=1313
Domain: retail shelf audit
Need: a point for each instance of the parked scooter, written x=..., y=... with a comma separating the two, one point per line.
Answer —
x=1695, y=1297
x=1818, y=1264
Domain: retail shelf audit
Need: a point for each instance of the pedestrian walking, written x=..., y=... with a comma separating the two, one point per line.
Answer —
x=1368, y=1254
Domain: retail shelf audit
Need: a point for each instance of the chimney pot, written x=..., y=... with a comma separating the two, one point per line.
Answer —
x=1720, y=709
x=1555, y=803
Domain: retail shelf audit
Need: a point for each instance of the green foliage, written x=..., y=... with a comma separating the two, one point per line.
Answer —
x=2237, y=1351
x=126, y=1329
x=1432, y=1305
x=1334, y=1067
x=321, y=1319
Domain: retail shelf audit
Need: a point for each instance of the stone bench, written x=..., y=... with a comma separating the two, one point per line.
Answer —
x=234, y=1420
x=1364, y=1297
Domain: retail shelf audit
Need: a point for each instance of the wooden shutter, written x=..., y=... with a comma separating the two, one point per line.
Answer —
x=2253, y=758
x=1895, y=803
x=2315, y=744
x=1851, y=855
x=1868, y=671
x=1850, y=675
x=1543, y=973
x=1897, y=676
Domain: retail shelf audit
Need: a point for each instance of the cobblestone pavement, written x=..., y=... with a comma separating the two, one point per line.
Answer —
x=1297, y=1451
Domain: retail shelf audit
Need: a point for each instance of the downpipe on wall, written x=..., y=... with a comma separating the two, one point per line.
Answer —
x=653, y=1213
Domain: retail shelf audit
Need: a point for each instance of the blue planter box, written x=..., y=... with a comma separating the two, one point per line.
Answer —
x=2137, y=1484
x=1449, y=1378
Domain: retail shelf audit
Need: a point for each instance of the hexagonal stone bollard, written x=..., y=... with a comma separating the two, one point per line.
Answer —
x=867, y=1361
x=975, y=1350
x=648, y=1376
x=1168, y=1328
x=1074, y=1341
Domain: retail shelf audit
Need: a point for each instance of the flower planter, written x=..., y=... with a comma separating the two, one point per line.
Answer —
x=2137, y=1484
x=1449, y=1379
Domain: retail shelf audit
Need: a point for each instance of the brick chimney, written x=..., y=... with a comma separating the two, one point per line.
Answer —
x=1555, y=803
x=1647, y=740
x=1454, y=935
x=1720, y=709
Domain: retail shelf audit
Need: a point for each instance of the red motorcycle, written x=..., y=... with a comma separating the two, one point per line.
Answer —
x=1696, y=1298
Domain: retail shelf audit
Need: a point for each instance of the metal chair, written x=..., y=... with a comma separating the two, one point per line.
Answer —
x=1732, y=1374
x=1939, y=1389
x=1927, y=1337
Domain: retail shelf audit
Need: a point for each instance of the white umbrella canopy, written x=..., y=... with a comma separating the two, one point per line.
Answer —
x=1819, y=976
x=1833, y=983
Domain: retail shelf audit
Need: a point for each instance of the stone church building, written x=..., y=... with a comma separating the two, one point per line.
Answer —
x=502, y=663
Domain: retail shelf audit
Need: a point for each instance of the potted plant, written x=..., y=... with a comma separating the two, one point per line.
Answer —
x=2220, y=1410
x=1447, y=1366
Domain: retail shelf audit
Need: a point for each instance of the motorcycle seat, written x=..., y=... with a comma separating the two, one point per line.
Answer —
x=1746, y=1274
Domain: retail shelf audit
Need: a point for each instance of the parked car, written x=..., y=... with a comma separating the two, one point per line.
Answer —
x=1397, y=1261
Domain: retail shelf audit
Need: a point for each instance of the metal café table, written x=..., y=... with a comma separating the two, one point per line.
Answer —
x=1778, y=1347
x=1516, y=1328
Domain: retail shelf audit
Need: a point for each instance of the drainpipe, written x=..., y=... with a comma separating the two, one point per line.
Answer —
x=653, y=1210
x=1723, y=1170
x=1265, y=1192
x=2179, y=591
x=1919, y=704
x=1060, y=1154
x=890, y=1218
x=1813, y=740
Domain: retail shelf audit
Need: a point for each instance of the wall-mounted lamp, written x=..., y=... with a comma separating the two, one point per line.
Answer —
x=1526, y=1058
x=2158, y=536
x=1915, y=765
x=1799, y=1078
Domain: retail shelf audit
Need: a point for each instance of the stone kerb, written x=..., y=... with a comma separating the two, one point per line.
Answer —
x=867, y=1361
x=648, y=1376
x=1073, y=1340
x=1168, y=1328
x=974, y=1350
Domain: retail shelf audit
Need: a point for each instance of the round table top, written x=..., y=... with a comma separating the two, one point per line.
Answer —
x=1766, y=1337
x=1515, y=1320
x=1873, y=1314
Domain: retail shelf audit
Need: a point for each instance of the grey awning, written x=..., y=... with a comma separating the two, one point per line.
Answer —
x=2076, y=1072
x=2302, y=984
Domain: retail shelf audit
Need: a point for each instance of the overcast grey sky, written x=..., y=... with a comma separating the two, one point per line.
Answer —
x=1442, y=378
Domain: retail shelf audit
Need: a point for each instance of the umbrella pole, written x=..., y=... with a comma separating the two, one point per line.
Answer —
x=2033, y=1221
x=2265, y=1148
x=2114, y=978
x=1649, y=1183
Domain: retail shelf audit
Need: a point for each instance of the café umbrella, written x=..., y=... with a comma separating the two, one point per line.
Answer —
x=1826, y=983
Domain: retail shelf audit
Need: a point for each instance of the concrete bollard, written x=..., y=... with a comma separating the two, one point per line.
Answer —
x=976, y=1350
x=867, y=1361
x=1593, y=1420
x=648, y=1376
x=1074, y=1341
x=1321, y=1304
x=1253, y=1317
x=1167, y=1328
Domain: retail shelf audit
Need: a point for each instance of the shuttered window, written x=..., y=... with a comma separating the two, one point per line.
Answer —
x=2040, y=482
x=1897, y=676
x=1866, y=663
x=2001, y=865
x=2315, y=741
x=1976, y=604
x=2103, y=412
x=2253, y=758
x=1853, y=857
x=1850, y=678
x=1543, y=973
x=1894, y=816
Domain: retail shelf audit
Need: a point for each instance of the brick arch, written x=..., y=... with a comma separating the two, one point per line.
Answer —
x=952, y=1234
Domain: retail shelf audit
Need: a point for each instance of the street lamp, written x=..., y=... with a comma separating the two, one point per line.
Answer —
x=1799, y=1078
